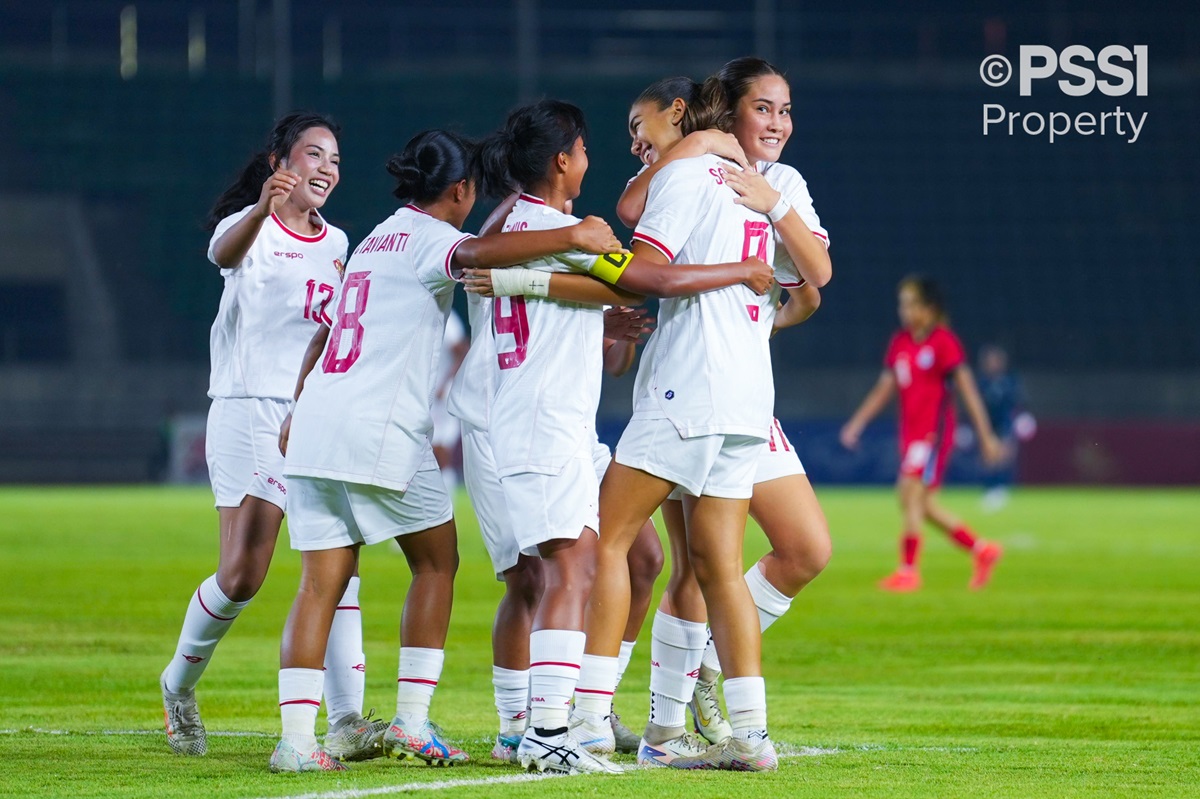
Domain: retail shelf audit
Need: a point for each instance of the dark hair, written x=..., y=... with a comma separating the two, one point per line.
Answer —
x=737, y=75
x=245, y=190
x=432, y=161
x=929, y=292
x=518, y=155
x=710, y=108
x=663, y=92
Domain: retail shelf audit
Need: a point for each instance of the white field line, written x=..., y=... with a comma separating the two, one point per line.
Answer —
x=216, y=734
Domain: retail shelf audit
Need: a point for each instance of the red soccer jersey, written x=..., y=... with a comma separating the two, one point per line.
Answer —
x=923, y=370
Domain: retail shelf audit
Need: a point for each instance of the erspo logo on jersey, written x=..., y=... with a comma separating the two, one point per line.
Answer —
x=1114, y=71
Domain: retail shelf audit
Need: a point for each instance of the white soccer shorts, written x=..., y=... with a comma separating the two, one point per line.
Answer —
x=546, y=507
x=328, y=514
x=720, y=466
x=241, y=445
x=483, y=487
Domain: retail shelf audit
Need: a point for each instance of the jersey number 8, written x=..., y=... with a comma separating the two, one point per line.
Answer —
x=357, y=283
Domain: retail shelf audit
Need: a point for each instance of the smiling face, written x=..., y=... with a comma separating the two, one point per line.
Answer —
x=654, y=130
x=763, y=118
x=314, y=157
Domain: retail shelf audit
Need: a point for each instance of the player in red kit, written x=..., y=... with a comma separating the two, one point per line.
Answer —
x=925, y=363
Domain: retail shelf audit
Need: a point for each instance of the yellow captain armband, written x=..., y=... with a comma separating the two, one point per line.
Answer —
x=610, y=267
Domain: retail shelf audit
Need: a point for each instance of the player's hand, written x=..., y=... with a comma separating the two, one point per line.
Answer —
x=478, y=281
x=991, y=449
x=595, y=236
x=276, y=190
x=849, y=435
x=627, y=324
x=285, y=430
x=753, y=190
x=723, y=144
x=759, y=275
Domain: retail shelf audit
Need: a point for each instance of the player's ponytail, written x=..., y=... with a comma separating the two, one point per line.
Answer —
x=711, y=109
x=519, y=154
x=739, y=74
x=431, y=162
x=245, y=190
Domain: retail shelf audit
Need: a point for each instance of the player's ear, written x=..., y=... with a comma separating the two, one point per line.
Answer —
x=678, y=107
x=561, y=162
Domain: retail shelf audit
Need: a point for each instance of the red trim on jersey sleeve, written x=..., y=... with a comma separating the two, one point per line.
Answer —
x=450, y=257
x=824, y=239
x=791, y=285
x=295, y=235
x=658, y=245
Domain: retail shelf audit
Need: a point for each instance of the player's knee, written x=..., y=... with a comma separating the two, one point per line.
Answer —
x=525, y=585
x=645, y=564
x=240, y=584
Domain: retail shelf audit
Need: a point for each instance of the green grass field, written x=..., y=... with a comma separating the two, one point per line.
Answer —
x=1076, y=674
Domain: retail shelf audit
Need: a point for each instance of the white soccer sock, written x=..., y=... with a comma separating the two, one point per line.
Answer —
x=770, y=602
x=345, y=663
x=623, y=659
x=511, y=689
x=597, y=683
x=554, y=661
x=420, y=670
x=676, y=647
x=299, y=700
x=209, y=616
x=746, y=700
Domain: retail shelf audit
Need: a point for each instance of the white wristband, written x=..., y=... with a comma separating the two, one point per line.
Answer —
x=514, y=281
x=780, y=210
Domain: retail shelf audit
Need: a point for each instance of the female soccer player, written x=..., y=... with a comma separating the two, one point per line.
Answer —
x=540, y=424
x=365, y=476
x=783, y=501
x=924, y=360
x=281, y=263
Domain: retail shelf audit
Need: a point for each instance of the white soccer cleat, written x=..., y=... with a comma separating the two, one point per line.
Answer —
x=561, y=753
x=626, y=740
x=596, y=736
x=706, y=712
x=675, y=743
x=181, y=717
x=287, y=758
x=356, y=738
x=733, y=754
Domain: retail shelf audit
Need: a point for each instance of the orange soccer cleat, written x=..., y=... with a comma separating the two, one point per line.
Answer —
x=985, y=561
x=901, y=581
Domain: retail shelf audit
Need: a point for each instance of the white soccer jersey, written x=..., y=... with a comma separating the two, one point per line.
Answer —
x=474, y=386
x=364, y=415
x=788, y=182
x=271, y=306
x=456, y=333
x=549, y=355
x=707, y=366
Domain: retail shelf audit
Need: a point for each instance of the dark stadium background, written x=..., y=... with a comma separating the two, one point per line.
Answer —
x=121, y=121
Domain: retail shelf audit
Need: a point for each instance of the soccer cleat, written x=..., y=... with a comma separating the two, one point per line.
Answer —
x=706, y=712
x=561, y=753
x=594, y=735
x=287, y=758
x=901, y=581
x=675, y=743
x=985, y=561
x=506, y=747
x=733, y=754
x=625, y=739
x=427, y=742
x=356, y=738
x=181, y=717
